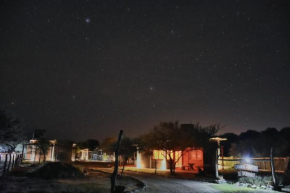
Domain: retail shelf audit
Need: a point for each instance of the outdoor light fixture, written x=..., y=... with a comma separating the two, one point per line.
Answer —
x=247, y=159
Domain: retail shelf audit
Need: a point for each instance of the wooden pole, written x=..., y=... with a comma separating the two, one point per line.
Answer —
x=9, y=163
x=5, y=163
x=114, y=175
x=16, y=162
x=13, y=162
x=22, y=152
x=273, y=169
x=155, y=166
x=222, y=154
x=216, y=164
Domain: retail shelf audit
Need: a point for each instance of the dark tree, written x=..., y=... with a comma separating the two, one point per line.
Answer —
x=170, y=137
x=127, y=150
x=257, y=144
x=250, y=134
x=108, y=145
x=231, y=138
x=64, y=150
x=43, y=145
x=91, y=144
x=11, y=132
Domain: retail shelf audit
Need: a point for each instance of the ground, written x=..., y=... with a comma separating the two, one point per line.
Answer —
x=180, y=183
x=97, y=180
x=93, y=182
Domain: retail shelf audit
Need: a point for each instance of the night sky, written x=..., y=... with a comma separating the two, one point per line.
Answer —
x=86, y=69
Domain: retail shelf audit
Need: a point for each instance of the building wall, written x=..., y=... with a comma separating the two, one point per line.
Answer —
x=32, y=154
x=194, y=157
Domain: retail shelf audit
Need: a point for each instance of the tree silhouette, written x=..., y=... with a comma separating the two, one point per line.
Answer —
x=11, y=132
x=91, y=144
x=171, y=138
x=108, y=144
x=43, y=145
x=127, y=150
x=257, y=144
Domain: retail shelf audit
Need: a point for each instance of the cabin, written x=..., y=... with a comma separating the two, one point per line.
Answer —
x=190, y=159
x=32, y=153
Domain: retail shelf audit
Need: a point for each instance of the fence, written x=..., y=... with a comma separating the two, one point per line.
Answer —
x=263, y=163
x=9, y=161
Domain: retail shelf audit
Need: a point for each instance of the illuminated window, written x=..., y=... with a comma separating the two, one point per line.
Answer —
x=177, y=155
x=158, y=154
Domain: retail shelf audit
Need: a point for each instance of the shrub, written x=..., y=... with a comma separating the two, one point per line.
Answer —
x=258, y=180
x=54, y=170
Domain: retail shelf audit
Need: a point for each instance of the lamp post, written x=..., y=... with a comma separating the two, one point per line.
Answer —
x=218, y=153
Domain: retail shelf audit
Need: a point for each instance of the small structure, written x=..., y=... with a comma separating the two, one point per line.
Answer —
x=31, y=151
x=192, y=159
x=86, y=154
x=95, y=155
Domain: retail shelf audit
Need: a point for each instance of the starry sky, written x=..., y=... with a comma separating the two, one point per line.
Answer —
x=86, y=69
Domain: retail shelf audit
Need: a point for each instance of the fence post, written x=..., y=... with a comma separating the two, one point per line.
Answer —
x=9, y=164
x=273, y=169
x=21, y=159
x=16, y=160
x=13, y=161
x=4, y=169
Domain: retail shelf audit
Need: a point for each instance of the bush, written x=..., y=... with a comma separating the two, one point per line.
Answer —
x=53, y=170
x=258, y=180
x=63, y=156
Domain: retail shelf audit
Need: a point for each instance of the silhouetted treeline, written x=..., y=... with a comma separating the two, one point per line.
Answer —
x=257, y=144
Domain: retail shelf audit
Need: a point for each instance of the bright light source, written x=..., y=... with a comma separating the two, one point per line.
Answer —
x=247, y=159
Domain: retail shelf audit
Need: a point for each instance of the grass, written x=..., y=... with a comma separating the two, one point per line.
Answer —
x=227, y=188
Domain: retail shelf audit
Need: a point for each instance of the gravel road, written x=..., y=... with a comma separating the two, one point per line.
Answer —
x=166, y=184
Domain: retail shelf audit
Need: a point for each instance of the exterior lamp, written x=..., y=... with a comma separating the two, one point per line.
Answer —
x=247, y=159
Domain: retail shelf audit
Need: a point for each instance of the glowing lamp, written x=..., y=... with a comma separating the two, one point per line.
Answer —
x=247, y=159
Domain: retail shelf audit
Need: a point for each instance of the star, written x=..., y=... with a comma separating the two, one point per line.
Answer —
x=88, y=20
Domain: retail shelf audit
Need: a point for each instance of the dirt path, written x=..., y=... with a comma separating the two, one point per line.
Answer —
x=163, y=184
x=166, y=184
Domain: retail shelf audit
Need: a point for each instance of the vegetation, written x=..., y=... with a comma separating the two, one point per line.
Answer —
x=43, y=145
x=108, y=144
x=53, y=170
x=227, y=188
x=91, y=144
x=127, y=150
x=60, y=177
x=258, y=144
x=171, y=137
x=11, y=132
x=64, y=150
